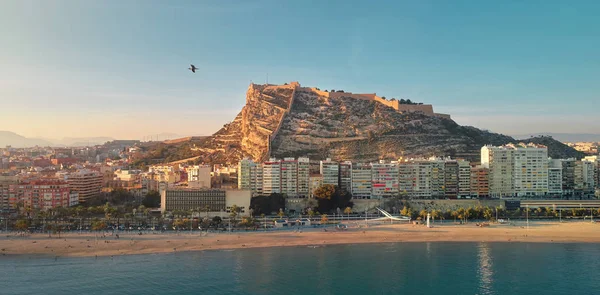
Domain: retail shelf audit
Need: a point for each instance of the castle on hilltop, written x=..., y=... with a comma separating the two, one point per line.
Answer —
x=425, y=109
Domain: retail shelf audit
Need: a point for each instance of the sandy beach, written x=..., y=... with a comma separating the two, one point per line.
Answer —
x=90, y=244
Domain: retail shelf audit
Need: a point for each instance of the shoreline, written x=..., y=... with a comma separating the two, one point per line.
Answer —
x=89, y=245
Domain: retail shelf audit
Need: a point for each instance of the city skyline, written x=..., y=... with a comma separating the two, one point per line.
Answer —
x=80, y=69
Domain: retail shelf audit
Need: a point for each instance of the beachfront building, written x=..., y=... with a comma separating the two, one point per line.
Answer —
x=554, y=178
x=480, y=186
x=437, y=178
x=271, y=177
x=289, y=177
x=595, y=160
x=330, y=171
x=568, y=174
x=407, y=177
x=218, y=201
x=86, y=183
x=516, y=169
x=450, y=188
x=5, y=182
x=361, y=186
x=422, y=188
x=530, y=170
x=303, y=177
x=384, y=179
x=345, y=180
x=584, y=178
x=498, y=161
x=42, y=194
x=199, y=176
x=464, y=179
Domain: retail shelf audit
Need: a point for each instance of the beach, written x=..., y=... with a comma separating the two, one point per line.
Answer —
x=92, y=244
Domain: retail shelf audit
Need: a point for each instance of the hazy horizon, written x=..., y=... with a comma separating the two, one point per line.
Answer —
x=119, y=68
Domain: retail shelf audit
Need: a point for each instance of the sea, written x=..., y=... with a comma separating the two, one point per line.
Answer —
x=391, y=268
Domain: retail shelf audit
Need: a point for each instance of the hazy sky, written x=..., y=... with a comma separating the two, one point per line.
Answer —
x=118, y=68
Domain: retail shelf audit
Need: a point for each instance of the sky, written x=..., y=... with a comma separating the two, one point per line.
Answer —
x=83, y=68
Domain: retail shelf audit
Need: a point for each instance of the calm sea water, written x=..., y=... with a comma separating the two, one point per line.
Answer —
x=403, y=268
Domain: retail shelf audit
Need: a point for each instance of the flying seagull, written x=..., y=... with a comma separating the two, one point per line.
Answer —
x=192, y=68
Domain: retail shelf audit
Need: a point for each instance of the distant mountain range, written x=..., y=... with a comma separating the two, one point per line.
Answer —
x=19, y=141
x=564, y=137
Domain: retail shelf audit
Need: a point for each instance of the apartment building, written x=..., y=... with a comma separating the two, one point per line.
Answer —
x=450, y=187
x=303, y=177
x=42, y=194
x=271, y=177
x=289, y=177
x=345, y=173
x=86, y=183
x=568, y=175
x=530, y=170
x=330, y=171
x=555, y=178
x=464, y=179
x=361, y=186
x=480, y=186
x=498, y=161
x=384, y=179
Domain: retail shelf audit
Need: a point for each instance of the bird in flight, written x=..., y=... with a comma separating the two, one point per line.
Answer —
x=192, y=68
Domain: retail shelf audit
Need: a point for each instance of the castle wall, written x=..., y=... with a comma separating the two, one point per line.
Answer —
x=426, y=109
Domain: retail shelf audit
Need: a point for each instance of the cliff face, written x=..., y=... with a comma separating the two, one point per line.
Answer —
x=265, y=109
x=288, y=120
x=363, y=130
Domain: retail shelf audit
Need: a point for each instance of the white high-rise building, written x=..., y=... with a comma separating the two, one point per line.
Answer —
x=584, y=178
x=500, y=164
x=422, y=187
x=385, y=179
x=361, y=181
x=289, y=177
x=271, y=176
x=555, y=177
x=303, y=177
x=530, y=170
x=516, y=170
x=199, y=176
x=330, y=171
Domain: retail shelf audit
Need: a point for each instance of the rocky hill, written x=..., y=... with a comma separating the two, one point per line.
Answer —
x=290, y=120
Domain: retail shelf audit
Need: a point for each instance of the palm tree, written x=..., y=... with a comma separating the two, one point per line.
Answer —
x=488, y=214
x=454, y=214
x=207, y=209
x=423, y=214
x=435, y=214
